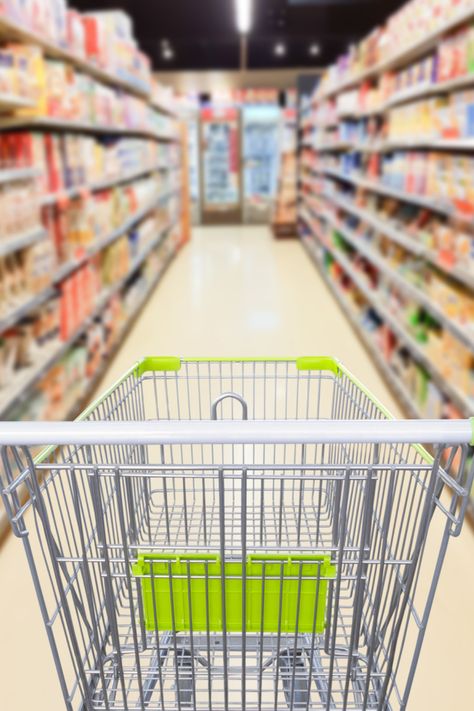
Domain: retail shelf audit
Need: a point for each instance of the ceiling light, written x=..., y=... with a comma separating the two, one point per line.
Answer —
x=243, y=15
x=279, y=49
x=314, y=49
x=167, y=53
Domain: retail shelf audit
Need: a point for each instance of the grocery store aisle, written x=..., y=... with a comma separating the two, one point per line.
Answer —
x=236, y=291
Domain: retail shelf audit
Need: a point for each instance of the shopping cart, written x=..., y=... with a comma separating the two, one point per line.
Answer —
x=236, y=534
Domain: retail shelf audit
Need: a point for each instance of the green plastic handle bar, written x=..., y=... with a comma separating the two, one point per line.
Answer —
x=319, y=363
x=158, y=363
x=172, y=363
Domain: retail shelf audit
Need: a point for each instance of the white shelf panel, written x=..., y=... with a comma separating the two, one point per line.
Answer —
x=410, y=95
x=26, y=239
x=10, y=102
x=46, y=122
x=79, y=190
x=15, y=174
x=27, y=307
x=422, y=201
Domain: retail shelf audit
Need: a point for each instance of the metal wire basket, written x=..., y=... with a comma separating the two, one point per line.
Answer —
x=236, y=534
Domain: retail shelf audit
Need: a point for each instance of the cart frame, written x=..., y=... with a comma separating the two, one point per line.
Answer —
x=289, y=469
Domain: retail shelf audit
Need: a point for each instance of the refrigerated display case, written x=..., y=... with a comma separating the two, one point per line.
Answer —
x=194, y=168
x=220, y=166
x=260, y=148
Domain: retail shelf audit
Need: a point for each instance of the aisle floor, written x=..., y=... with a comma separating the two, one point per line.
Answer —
x=238, y=292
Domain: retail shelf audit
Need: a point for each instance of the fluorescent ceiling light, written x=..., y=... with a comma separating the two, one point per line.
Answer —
x=279, y=49
x=314, y=49
x=167, y=53
x=243, y=12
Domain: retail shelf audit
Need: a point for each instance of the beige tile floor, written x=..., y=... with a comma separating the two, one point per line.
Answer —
x=235, y=291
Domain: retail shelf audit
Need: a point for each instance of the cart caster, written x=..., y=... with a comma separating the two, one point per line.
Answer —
x=295, y=679
x=184, y=681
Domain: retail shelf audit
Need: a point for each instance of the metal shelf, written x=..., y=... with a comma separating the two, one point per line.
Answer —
x=23, y=310
x=10, y=102
x=26, y=239
x=83, y=402
x=441, y=144
x=391, y=145
x=106, y=183
x=436, y=206
x=15, y=174
x=334, y=147
x=46, y=122
x=426, y=90
x=163, y=109
x=410, y=95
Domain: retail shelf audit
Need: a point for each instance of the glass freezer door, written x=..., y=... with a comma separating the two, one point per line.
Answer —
x=260, y=138
x=220, y=156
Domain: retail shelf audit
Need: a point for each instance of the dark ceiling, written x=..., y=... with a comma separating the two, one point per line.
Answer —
x=202, y=33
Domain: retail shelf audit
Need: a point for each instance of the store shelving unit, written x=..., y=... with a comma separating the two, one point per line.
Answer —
x=26, y=378
x=105, y=184
x=396, y=234
x=397, y=385
x=13, y=31
x=376, y=300
x=10, y=176
x=405, y=55
x=19, y=389
x=329, y=203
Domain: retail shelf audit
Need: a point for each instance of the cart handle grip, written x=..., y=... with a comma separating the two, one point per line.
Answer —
x=445, y=432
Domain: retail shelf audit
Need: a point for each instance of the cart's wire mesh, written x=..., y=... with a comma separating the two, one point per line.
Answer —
x=383, y=513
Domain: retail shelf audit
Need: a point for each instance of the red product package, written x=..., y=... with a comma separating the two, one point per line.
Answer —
x=75, y=32
x=52, y=152
x=94, y=39
x=76, y=315
x=85, y=300
x=66, y=310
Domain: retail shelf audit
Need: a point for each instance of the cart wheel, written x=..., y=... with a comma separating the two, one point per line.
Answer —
x=184, y=682
x=295, y=679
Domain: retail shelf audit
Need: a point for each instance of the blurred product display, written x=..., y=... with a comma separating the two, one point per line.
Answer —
x=386, y=201
x=284, y=221
x=91, y=185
